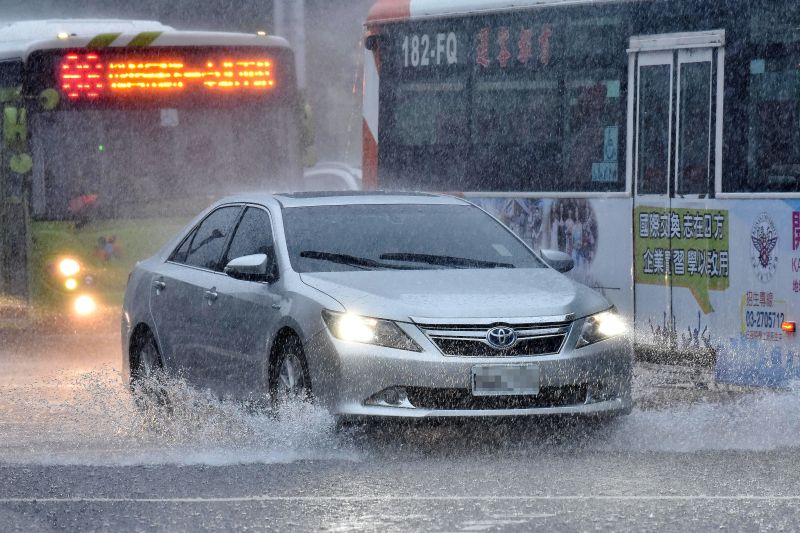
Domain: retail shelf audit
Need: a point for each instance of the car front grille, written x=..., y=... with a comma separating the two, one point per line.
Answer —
x=429, y=398
x=470, y=340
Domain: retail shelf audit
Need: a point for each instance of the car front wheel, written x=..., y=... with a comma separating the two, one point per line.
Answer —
x=289, y=377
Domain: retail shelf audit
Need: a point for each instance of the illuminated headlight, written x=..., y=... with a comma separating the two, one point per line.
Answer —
x=601, y=326
x=68, y=267
x=355, y=328
x=84, y=305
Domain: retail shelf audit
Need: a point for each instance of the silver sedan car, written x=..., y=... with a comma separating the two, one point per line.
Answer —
x=374, y=304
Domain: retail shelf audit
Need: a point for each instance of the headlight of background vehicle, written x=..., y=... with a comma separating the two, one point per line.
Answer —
x=601, y=326
x=68, y=267
x=355, y=328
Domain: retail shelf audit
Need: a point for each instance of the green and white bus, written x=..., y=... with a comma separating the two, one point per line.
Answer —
x=115, y=132
x=656, y=141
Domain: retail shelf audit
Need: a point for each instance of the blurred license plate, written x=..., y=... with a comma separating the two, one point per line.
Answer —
x=505, y=380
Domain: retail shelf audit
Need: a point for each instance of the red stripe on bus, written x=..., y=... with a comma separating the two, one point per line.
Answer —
x=369, y=162
x=389, y=10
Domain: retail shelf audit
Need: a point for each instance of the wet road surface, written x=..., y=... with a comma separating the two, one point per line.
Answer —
x=76, y=455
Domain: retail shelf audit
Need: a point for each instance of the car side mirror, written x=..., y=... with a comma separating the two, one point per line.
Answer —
x=558, y=260
x=256, y=267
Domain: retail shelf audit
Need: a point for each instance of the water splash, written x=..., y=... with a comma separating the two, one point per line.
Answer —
x=92, y=418
x=763, y=420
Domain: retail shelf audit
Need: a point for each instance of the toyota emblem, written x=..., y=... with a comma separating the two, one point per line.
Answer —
x=501, y=337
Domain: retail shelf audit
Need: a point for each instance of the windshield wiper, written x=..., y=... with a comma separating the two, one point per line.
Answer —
x=444, y=260
x=352, y=260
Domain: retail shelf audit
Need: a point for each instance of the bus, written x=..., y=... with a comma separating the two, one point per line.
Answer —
x=116, y=132
x=655, y=141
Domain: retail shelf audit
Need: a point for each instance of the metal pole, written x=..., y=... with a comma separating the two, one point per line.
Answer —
x=290, y=23
x=299, y=40
x=279, y=16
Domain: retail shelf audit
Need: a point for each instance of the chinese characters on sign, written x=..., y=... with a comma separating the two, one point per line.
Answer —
x=505, y=39
x=684, y=247
x=795, y=246
x=679, y=260
x=759, y=299
x=795, y=230
x=762, y=316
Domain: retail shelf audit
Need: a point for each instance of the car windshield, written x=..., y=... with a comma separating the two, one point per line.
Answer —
x=402, y=237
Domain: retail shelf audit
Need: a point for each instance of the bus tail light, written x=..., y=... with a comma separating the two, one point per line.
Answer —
x=788, y=327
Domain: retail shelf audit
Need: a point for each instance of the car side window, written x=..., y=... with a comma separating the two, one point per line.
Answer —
x=180, y=253
x=205, y=248
x=253, y=235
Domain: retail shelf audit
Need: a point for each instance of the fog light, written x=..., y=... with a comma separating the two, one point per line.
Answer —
x=68, y=267
x=71, y=284
x=85, y=305
x=598, y=392
x=391, y=397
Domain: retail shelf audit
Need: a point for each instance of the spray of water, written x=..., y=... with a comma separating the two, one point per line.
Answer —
x=763, y=420
x=93, y=418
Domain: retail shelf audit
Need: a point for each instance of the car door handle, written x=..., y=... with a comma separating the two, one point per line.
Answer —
x=211, y=295
x=159, y=285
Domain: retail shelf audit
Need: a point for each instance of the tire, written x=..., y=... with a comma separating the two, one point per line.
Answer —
x=147, y=372
x=288, y=372
x=145, y=358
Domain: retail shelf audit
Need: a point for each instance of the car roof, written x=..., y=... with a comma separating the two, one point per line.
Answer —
x=308, y=199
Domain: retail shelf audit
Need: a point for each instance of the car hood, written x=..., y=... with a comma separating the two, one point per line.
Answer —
x=467, y=293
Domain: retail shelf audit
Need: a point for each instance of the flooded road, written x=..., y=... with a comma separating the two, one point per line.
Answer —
x=75, y=453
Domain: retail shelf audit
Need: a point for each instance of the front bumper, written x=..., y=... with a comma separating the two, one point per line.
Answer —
x=345, y=376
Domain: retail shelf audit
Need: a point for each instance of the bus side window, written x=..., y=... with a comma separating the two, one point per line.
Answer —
x=764, y=134
x=774, y=134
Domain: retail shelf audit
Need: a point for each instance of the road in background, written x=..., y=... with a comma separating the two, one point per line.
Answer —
x=76, y=454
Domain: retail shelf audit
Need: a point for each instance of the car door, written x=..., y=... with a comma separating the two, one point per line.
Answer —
x=244, y=314
x=180, y=293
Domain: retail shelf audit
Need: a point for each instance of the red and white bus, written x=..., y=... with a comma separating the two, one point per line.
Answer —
x=657, y=142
